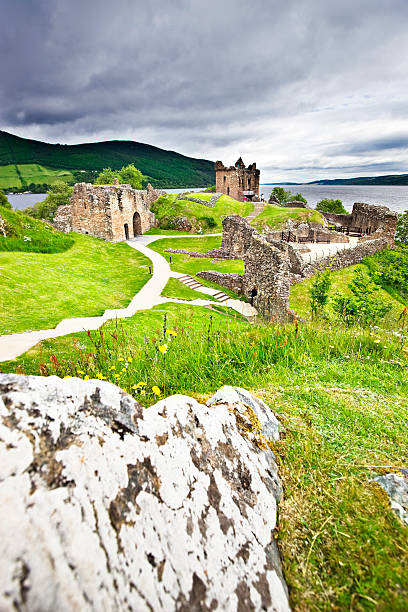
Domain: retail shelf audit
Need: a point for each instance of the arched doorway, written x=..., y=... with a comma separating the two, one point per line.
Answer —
x=137, y=224
x=126, y=228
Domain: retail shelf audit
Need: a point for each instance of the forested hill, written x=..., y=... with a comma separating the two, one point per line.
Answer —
x=389, y=179
x=164, y=168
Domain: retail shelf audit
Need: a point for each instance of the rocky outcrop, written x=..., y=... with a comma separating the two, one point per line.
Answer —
x=110, y=506
x=396, y=487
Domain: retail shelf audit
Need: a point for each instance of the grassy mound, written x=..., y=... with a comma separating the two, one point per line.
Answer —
x=274, y=217
x=23, y=233
x=168, y=209
x=38, y=290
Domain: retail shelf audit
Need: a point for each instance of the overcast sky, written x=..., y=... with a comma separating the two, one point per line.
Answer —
x=307, y=89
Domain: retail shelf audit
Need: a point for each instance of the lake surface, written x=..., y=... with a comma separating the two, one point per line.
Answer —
x=395, y=197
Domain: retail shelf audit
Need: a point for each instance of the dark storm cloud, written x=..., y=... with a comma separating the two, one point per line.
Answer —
x=381, y=144
x=207, y=78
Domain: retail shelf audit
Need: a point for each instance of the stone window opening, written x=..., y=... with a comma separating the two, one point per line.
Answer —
x=227, y=190
x=225, y=178
x=126, y=228
x=253, y=293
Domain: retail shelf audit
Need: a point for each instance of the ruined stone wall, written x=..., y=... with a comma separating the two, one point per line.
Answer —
x=347, y=257
x=63, y=218
x=103, y=211
x=376, y=221
x=236, y=235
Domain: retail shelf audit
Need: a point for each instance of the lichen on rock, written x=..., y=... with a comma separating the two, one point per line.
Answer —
x=107, y=505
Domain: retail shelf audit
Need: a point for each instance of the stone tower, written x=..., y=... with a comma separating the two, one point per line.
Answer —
x=238, y=181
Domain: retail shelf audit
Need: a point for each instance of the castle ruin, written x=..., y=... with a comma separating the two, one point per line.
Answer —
x=113, y=212
x=238, y=181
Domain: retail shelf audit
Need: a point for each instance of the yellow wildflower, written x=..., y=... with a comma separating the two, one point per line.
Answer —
x=143, y=392
x=80, y=372
x=86, y=377
x=100, y=376
x=121, y=359
x=112, y=368
x=67, y=377
x=163, y=348
x=130, y=359
x=171, y=332
x=139, y=384
x=117, y=376
x=156, y=390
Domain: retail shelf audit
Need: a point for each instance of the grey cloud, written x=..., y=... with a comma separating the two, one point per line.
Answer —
x=188, y=74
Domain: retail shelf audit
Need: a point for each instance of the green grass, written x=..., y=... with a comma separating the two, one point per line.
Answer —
x=21, y=175
x=39, y=290
x=176, y=289
x=157, y=231
x=274, y=217
x=209, y=220
x=23, y=233
x=341, y=395
x=299, y=299
x=192, y=265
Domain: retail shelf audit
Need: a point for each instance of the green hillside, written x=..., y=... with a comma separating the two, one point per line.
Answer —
x=163, y=168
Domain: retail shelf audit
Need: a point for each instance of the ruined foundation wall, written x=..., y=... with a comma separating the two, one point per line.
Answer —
x=103, y=211
x=231, y=281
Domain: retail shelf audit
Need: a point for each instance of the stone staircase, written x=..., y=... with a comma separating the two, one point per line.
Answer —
x=193, y=283
x=259, y=206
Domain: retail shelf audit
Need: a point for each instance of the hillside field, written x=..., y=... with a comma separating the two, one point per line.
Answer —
x=20, y=156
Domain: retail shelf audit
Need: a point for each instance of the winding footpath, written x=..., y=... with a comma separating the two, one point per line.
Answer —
x=13, y=345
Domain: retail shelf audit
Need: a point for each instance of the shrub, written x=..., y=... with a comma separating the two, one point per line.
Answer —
x=283, y=196
x=331, y=206
x=362, y=305
x=58, y=195
x=4, y=201
x=319, y=292
x=401, y=234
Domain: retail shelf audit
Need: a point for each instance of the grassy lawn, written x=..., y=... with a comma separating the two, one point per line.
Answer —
x=38, y=290
x=192, y=265
x=21, y=175
x=209, y=220
x=299, y=299
x=177, y=289
x=341, y=396
x=275, y=216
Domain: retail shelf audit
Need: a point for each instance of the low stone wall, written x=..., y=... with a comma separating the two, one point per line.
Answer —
x=229, y=281
x=295, y=204
x=351, y=256
x=209, y=203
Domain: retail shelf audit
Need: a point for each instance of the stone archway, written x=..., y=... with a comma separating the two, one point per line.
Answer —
x=137, y=224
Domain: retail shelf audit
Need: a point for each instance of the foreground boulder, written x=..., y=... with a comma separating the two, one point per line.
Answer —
x=106, y=505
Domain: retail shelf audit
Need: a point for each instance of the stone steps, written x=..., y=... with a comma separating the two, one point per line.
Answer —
x=193, y=283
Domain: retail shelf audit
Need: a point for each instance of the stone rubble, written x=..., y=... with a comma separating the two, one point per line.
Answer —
x=396, y=487
x=107, y=505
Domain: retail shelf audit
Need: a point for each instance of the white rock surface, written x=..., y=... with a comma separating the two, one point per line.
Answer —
x=106, y=505
x=396, y=487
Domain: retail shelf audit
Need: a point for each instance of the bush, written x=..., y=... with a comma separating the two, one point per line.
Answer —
x=128, y=175
x=362, y=305
x=331, y=206
x=4, y=201
x=319, y=292
x=401, y=234
x=389, y=269
x=58, y=195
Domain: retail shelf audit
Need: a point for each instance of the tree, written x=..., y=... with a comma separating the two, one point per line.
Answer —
x=132, y=176
x=331, y=206
x=280, y=194
x=4, y=201
x=129, y=175
x=58, y=195
x=107, y=176
x=283, y=196
x=401, y=234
